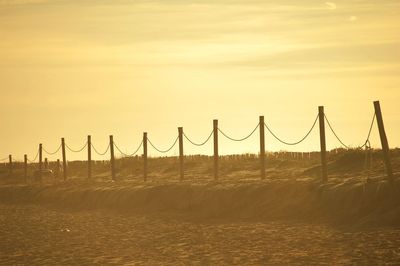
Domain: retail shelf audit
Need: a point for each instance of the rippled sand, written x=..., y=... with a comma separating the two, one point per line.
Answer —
x=34, y=235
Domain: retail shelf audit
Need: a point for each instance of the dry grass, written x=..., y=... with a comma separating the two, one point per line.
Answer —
x=283, y=165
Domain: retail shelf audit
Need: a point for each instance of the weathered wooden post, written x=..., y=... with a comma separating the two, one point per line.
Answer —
x=384, y=141
x=262, y=146
x=64, y=158
x=112, y=159
x=181, y=170
x=145, y=156
x=25, y=168
x=46, y=163
x=216, y=156
x=10, y=165
x=89, y=146
x=323, y=143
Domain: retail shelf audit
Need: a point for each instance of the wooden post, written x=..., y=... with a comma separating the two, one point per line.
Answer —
x=145, y=156
x=323, y=143
x=215, y=126
x=112, y=159
x=64, y=158
x=46, y=164
x=181, y=170
x=384, y=141
x=10, y=164
x=89, y=143
x=25, y=168
x=262, y=146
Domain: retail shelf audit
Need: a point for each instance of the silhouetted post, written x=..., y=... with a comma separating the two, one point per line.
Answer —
x=262, y=146
x=323, y=143
x=384, y=141
x=10, y=164
x=180, y=133
x=215, y=124
x=46, y=164
x=145, y=156
x=25, y=168
x=89, y=143
x=64, y=158
x=112, y=159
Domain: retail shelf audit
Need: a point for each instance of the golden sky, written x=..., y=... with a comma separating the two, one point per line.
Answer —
x=121, y=67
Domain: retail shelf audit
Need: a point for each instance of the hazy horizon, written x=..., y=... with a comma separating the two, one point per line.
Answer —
x=73, y=68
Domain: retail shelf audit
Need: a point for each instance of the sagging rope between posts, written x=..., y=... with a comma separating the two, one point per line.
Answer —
x=242, y=139
x=163, y=151
x=99, y=153
x=36, y=156
x=367, y=141
x=369, y=133
x=129, y=155
x=292, y=143
x=78, y=150
x=198, y=144
x=366, y=145
x=334, y=133
x=52, y=153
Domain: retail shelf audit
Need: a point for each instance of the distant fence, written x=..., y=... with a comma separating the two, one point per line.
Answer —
x=261, y=126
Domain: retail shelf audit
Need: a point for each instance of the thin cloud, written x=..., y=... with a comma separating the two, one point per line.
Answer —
x=326, y=58
x=331, y=5
x=353, y=18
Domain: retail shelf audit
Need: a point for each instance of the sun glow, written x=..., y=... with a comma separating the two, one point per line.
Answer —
x=70, y=69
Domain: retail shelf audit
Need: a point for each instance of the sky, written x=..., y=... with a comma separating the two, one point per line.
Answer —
x=123, y=67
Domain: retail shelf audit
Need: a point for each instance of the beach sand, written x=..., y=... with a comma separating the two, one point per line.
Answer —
x=38, y=235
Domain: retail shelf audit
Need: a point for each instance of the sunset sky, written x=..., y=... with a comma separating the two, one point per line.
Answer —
x=70, y=68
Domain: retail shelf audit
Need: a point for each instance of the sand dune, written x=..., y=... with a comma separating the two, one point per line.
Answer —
x=350, y=202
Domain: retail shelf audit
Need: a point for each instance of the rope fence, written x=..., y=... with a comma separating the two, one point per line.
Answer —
x=342, y=142
x=242, y=139
x=296, y=142
x=367, y=142
x=201, y=143
x=34, y=159
x=336, y=135
x=52, y=153
x=78, y=150
x=321, y=117
x=166, y=150
x=129, y=155
x=101, y=153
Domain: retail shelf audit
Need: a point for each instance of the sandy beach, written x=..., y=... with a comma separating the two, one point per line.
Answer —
x=35, y=235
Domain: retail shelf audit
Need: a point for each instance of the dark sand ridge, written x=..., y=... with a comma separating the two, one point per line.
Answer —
x=348, y=202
